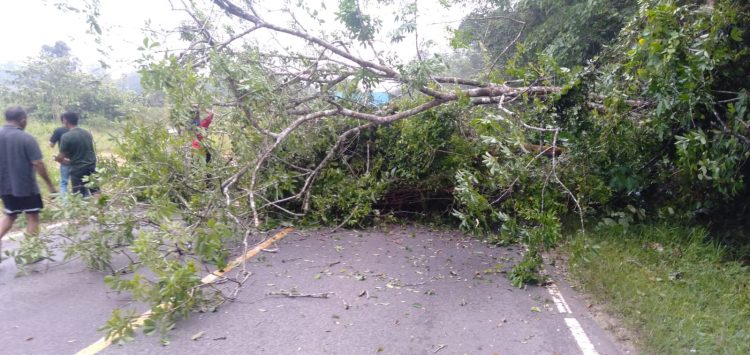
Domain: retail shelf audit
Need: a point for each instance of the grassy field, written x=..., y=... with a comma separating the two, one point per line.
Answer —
x=672, y=285
x=42, y=130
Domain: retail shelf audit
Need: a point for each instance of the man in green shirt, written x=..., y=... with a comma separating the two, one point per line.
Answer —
x=77, y=150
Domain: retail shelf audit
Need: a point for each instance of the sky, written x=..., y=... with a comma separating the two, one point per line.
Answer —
x=27, y=25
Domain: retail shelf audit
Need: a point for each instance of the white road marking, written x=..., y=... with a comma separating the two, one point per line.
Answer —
x=557, y=297
x=580, y=336
x=587, y=348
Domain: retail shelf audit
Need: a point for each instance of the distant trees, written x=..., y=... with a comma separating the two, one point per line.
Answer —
x=59, y=50
x=53, y=82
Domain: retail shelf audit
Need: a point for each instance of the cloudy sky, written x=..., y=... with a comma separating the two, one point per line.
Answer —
x=28, y=24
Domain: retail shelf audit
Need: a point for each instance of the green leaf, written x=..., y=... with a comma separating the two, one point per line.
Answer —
x=736, y=34
x=149, y=326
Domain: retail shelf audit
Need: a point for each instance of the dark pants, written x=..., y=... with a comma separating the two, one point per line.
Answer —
x=79, y=187
x=15, y=205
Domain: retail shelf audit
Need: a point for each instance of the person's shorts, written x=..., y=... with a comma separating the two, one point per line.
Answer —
x=15, y=205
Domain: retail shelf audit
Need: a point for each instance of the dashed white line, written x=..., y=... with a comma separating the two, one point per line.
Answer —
x=562, y=306
x=587, y=348
x=580, y=336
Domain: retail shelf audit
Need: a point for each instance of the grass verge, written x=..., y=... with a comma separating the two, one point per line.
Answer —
x=671, y=285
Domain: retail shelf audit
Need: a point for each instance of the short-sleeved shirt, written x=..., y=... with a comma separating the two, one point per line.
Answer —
x=78, y=146
x=57, y=135
x=17, y=150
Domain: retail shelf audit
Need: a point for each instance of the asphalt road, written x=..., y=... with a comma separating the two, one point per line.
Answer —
x=406, y=290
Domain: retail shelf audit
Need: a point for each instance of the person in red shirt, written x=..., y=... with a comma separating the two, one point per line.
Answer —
x=198, y=139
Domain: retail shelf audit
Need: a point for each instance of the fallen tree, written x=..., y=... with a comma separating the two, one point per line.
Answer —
x=305, y=82
x=517, y=151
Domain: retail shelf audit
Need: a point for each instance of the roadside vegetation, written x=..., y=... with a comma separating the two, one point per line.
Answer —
x=679, y=289
x=534, y=130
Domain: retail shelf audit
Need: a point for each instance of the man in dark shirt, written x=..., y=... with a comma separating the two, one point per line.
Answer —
x=20, y=158
x=64, y=168
x=77, y=149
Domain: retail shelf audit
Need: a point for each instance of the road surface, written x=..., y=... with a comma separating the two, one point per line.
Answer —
x=405, y=290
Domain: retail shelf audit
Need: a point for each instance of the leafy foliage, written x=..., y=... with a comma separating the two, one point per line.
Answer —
x=561, y=29
x=691, y=131
x=656, y=122
x=682, y=147
x=171, y=239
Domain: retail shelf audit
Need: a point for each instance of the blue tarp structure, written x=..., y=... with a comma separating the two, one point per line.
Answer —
x=380, y=98
x=376, y=98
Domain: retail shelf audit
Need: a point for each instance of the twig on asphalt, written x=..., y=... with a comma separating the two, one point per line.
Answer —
x=245, y=276
x=296, y=294
x=412, y=285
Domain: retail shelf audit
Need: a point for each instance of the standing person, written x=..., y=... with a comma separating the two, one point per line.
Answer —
x=64, y=168
x=204, y=123
x=77, y=149
x=20, y=159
